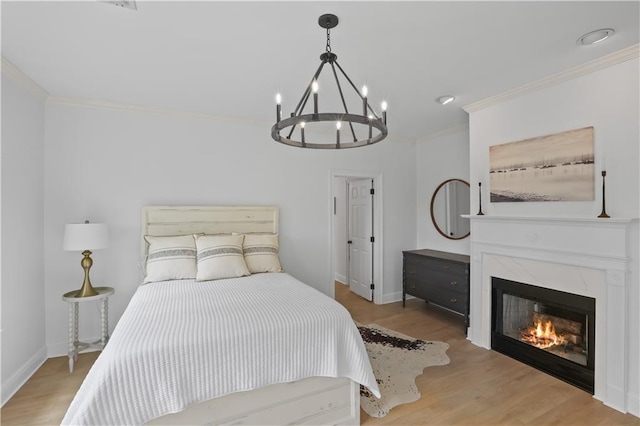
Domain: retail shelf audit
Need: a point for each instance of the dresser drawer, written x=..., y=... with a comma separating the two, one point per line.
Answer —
x=455, y=281
x=455, y=301
x=436, y=265
x=449, y=298
x=416, y=288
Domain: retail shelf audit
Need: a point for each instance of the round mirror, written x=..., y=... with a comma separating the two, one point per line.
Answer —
x=449, y=201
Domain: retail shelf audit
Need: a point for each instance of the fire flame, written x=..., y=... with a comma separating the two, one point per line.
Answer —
x=542, y=335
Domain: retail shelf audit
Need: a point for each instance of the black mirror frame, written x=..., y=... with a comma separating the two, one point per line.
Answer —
x=433, y=218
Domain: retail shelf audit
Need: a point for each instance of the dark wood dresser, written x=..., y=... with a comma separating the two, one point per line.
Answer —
x=437, y=277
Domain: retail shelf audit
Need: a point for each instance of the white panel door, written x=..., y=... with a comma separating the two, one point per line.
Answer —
x=360, y=234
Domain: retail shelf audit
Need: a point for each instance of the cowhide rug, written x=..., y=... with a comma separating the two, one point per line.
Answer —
x=396, y=360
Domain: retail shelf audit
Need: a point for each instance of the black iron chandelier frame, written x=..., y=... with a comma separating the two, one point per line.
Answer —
x=368, y=118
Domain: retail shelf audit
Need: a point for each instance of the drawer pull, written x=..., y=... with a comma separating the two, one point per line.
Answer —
x=412, y=286
x=446, y=267
x=412, y=272
x=454, y=283
x=454, y=300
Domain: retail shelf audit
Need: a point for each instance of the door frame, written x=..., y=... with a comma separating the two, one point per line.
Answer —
x=378, y=277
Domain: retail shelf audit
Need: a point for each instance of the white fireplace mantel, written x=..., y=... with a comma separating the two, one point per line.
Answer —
x=586, y=256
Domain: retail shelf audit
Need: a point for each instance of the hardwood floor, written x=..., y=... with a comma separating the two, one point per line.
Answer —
x=478, y=387
x=44, y=399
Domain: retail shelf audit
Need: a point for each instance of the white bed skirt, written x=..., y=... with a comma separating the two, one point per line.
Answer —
x=312, y=401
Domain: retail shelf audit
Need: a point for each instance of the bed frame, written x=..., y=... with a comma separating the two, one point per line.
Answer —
x=316, y=400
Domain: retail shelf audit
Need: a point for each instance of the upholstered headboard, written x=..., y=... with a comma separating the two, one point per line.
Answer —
x=184, y=220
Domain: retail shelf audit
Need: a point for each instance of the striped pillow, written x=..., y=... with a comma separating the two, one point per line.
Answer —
x=261, y=253
x=220, y=256
x=170, y=258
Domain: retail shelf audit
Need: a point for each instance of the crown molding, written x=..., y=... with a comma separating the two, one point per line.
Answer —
x=91, y=103
x=612, y=59
x=22, y=79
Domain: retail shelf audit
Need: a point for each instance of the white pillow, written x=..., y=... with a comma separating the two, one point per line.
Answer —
x=170, y=258
x=261, y=253
x=220, y=256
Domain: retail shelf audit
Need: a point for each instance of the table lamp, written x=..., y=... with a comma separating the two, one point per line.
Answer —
x=85, y=237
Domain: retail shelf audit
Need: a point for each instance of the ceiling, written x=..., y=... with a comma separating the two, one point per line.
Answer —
x=230, y=58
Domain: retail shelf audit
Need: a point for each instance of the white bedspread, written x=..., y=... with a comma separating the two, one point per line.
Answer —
x=180, y=342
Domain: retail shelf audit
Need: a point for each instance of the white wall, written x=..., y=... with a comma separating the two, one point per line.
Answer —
x=438, y=159
x=608, y=100
x=105, y=164
x=22, y=276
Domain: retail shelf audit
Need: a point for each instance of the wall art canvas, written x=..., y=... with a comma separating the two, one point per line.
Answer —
x=558, y=167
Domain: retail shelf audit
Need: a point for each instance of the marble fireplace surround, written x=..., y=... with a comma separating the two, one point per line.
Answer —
x=588, y=257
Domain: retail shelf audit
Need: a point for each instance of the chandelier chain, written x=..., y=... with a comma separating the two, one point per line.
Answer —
x=328, y=39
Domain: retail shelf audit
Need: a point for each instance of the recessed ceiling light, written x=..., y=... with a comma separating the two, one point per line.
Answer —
x=595, y=36
x=123, y=3
x=445, y=99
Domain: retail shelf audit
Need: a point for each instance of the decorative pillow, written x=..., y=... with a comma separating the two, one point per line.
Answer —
x=170, y=258
x=261, y=253
x=220, y=256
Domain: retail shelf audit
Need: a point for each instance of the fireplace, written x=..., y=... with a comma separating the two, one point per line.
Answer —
x=589, y=257
x=550, y=330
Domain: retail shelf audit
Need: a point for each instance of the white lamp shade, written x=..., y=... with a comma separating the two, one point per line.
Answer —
x=85, y=236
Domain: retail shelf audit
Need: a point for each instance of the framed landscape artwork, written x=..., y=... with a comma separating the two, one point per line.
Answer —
x=558, y=167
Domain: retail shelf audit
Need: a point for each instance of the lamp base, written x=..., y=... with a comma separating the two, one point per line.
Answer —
x=86, y=290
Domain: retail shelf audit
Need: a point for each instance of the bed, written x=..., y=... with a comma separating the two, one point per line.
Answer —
x=262, y=348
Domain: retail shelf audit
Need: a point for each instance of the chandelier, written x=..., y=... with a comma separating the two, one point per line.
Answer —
x=291, y=130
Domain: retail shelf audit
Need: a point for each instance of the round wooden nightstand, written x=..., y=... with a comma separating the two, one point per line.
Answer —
x=76, y=346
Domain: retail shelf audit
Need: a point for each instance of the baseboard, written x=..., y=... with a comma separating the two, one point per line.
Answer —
x=633, y=405
x=393, y=297
x=340, y=278
x=20, y=377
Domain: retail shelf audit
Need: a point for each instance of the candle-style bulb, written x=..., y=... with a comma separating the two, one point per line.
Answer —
x=302, y=124
x=364, y=100
x=314, y=88
x=278, y=107
x=338, y=125
x=384, y=112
